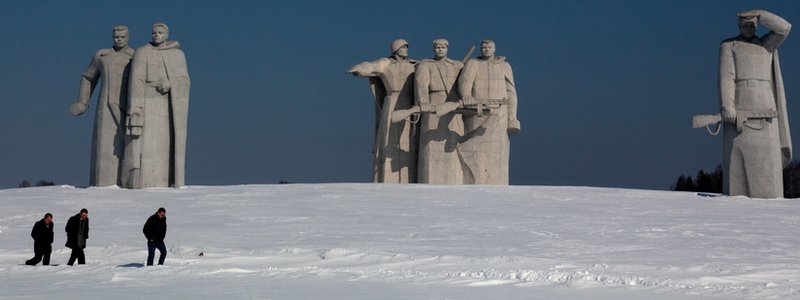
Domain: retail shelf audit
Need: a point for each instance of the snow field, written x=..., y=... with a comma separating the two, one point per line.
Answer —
x=368, y=241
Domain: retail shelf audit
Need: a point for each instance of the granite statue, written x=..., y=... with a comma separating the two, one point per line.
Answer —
x=487, y=85
x=439, y=135
x=395, y=145
x=155, y=150
x=110, y=66
x=756, y=139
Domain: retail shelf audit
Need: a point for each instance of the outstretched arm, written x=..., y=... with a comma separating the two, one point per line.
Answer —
x=369, y=68
x=89, y=80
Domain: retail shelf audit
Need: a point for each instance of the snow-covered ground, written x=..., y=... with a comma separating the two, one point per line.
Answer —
x=369, y=241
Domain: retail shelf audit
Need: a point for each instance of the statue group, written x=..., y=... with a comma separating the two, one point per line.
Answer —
x=439, y=120
x=139, y=137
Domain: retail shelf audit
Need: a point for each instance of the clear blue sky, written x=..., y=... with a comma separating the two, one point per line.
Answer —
x=606, y=88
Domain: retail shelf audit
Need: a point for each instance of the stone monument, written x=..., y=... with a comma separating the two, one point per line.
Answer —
x=487, y=84
x=391, y=80
x=111, y=66
x=155, y=150
x=756, y=139
x=434, y=84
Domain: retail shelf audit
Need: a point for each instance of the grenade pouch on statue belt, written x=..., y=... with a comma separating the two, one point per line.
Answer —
x=135, y=123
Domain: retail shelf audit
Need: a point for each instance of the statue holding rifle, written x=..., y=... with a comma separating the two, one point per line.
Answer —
x=486, y=85
x=435, y=84
x=756, y=138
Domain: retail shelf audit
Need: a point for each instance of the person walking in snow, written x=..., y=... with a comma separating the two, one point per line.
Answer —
x=155, y=229
x=77, y=233
x=42, y=234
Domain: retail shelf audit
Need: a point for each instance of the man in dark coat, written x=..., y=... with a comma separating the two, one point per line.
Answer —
x=155, y=229
x=42, y=235
x=77, y=233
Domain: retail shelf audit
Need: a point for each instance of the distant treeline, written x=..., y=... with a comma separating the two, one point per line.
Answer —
x=711, y=182
x=25, y=183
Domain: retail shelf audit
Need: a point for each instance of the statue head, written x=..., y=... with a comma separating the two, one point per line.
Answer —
x=747, y=26
x=160, y=33
x=487, y=49
x=400, y=48
x=440, y=48
x=120, y=35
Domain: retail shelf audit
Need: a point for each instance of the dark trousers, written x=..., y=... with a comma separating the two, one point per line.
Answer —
x=37, y=257
x=77, y=253
x=151, y=252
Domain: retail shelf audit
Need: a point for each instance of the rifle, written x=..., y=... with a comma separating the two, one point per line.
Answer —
x=469, y=54
x=400, y=115
x=699, y=121
x=444, y=108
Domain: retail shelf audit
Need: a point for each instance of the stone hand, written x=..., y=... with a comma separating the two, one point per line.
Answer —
x=728, y=114
x=164, y=86
x=513, y=126
x=425, y=107
x=469, y=101
x=77, y=108
x=353, y=72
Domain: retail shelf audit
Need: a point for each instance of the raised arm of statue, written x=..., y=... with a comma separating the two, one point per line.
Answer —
x=89, y=80
x=727, y=83
x=772, y=21
x=779, y=28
